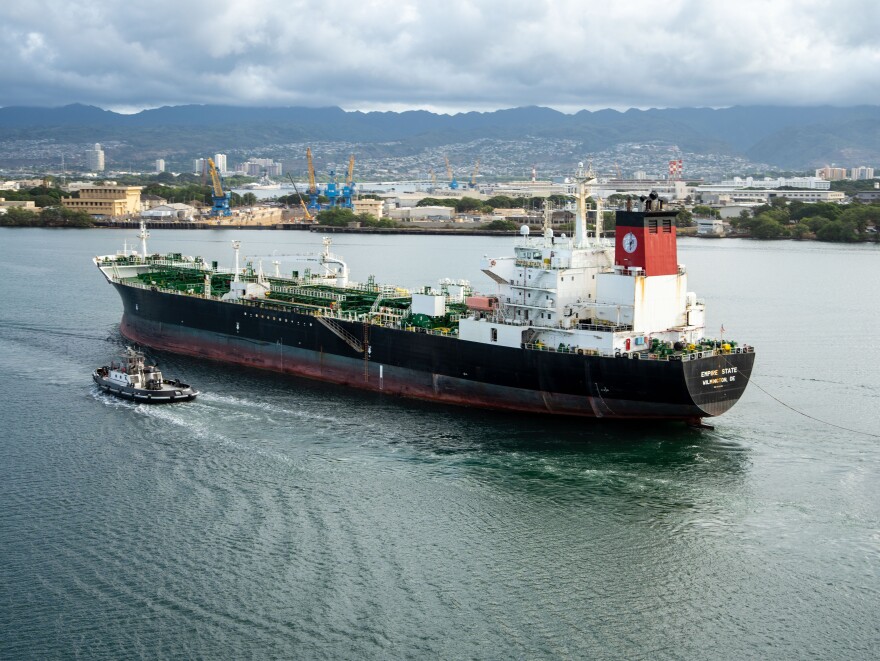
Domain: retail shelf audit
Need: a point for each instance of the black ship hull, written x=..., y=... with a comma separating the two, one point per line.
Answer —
x=433, y=367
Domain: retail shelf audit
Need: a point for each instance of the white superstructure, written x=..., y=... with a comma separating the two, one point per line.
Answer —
x=586, y=294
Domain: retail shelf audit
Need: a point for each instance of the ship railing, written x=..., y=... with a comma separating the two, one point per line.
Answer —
x=561, y=348
x=448, y=332
x=637, y=355
x=638, y=270
x=606, y=328
x=309, y=293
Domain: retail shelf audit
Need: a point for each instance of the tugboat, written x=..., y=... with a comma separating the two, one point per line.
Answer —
x=139, y=382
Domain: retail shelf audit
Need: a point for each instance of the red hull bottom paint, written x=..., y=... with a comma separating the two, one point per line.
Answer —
x=395, y=381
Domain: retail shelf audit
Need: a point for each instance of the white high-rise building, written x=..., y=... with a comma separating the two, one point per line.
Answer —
x=198, y=165
x=862, y=172
x=95, y=158
x=257, y=167
x=160, y=165
x=220, y=163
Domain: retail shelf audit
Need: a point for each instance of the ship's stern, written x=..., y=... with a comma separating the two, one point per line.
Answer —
x=715, y=383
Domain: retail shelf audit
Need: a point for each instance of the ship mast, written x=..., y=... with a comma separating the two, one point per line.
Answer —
x=235, y=246
x=580, y=219
x=143, y=237
x=548, y=230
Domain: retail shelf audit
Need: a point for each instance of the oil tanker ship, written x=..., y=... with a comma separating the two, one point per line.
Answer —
x=573, y=325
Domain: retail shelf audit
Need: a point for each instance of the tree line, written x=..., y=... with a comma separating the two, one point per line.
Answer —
x=45, y=217
x=823, y=221
x=472, y=205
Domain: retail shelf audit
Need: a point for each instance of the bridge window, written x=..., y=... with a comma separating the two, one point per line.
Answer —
x=494, y=335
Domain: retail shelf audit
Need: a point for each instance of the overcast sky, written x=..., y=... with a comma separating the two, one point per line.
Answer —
x=445, y=56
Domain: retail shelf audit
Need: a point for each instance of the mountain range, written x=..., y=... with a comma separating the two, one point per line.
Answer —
x=784, y=137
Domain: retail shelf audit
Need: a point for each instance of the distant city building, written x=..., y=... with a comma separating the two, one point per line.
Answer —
x=535, y=188
x=714, y=194
x=95, y=158
x=151, y=201
x=257, y=167
x=831, y=174
x=169, y=212
x=504, y=214
x=712, y=227
x=220, y=163
x=640, y=175
x=24, y=204
x=861, y=172
x=670, y=189
x=370, y=206
x=868, y=196
x=106, y=200
x=813, y=183
x=421, y=213
x=160, y=165
x=198, y=165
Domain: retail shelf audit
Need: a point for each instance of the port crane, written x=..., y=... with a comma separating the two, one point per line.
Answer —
x=220, y=199
x=348, y=190
x=313, y=186
x=332, y=191
x=473, y=183
x=453, y=184
x=337, y=197
x=308, y=216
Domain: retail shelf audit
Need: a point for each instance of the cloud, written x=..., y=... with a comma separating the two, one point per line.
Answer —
x=457, y=55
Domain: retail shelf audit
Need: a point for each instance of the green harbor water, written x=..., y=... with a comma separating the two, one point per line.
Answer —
x=283, y=518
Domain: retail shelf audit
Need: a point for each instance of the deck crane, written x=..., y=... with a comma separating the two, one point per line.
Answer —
x=453, y=184
x=308, y=216
x=473, y=183
x=219, y=198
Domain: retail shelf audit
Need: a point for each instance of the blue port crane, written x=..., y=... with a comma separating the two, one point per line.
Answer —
x=336, y=196
x=453, y=184
x=220, y=199
x=313, y=185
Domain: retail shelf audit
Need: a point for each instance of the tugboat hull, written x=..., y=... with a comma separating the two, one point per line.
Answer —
x=167, y=394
